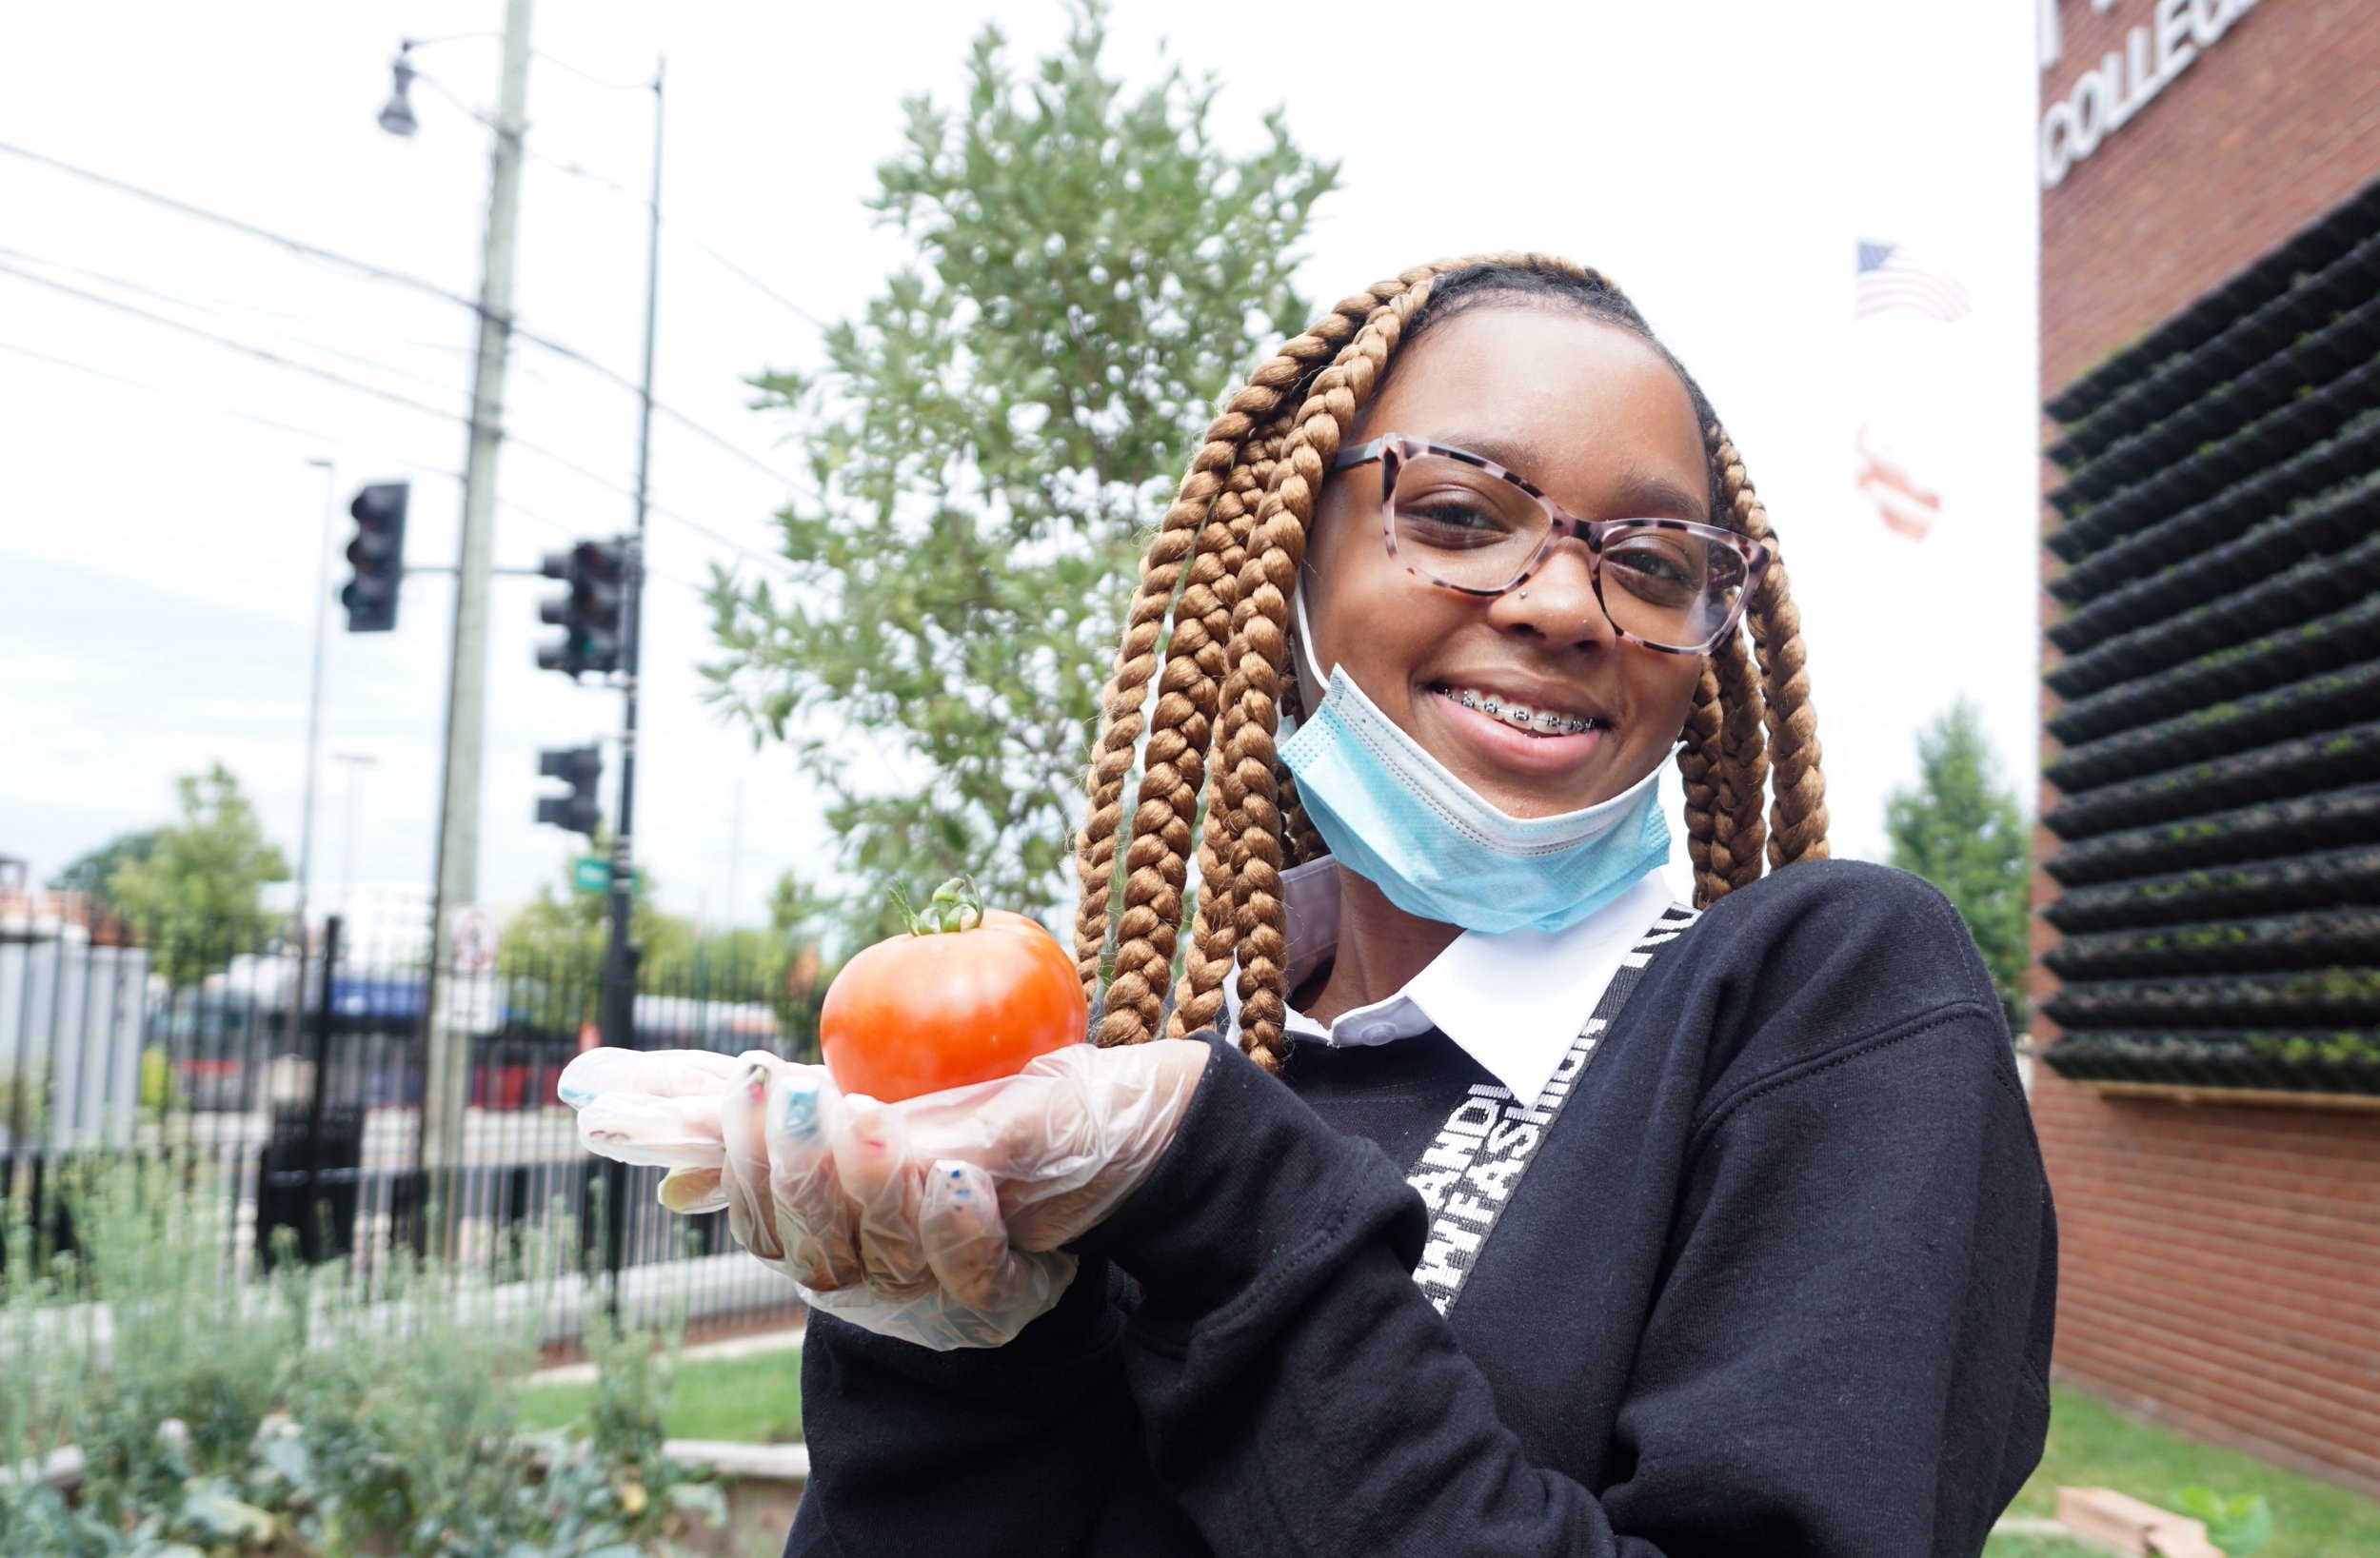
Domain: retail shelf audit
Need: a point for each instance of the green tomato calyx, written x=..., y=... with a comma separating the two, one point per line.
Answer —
x=946, y=911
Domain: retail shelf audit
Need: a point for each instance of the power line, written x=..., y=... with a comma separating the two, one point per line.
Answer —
x=191, y=300
x=753, y=282
x=183, y=299
x=383, y=274
x=295, y=245
x=231, y=411
x=317, y=434
x=208, y=301
x=580, y=171
x=262, y=353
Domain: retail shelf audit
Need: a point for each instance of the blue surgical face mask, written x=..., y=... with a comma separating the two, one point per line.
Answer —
x=1396, y=817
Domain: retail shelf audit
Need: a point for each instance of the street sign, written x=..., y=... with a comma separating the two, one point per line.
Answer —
x=475, y=941
x=593, y=874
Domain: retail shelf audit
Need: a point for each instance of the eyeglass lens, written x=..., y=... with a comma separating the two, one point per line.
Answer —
x=1462, y=527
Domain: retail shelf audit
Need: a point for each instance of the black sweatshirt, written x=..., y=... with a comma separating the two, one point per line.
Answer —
x=1779, y=1281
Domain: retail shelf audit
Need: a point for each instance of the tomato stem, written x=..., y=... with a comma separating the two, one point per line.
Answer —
x=946, y=911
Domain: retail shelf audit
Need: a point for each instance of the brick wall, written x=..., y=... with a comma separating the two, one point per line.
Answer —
x=2275, y=125
x=2220, y=1268
x=2220, y=1263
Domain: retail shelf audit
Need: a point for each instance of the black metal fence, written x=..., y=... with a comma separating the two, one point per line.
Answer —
x=291, y=1076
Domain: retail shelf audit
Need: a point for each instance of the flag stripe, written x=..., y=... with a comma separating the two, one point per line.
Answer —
x=1901, y=503
x=1889, y=278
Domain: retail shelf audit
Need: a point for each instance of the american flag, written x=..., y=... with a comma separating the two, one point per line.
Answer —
x=1901, y=502
x=1890, y=278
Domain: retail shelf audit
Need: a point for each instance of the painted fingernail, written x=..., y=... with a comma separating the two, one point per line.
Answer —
x=797, y=1116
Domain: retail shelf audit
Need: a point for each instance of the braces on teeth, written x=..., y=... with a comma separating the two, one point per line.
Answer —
x=1521, y=717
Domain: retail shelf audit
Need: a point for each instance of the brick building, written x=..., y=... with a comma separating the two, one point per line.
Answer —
x=2209, y=935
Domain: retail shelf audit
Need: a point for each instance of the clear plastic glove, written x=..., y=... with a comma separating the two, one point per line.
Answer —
x=937, y=1219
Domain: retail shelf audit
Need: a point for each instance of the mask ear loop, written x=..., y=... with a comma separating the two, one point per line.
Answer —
x=1306, y=651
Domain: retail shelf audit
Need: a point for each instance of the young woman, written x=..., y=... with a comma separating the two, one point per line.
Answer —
x=1492, y=1205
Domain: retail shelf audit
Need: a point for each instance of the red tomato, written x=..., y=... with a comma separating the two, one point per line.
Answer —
x=940, y=1008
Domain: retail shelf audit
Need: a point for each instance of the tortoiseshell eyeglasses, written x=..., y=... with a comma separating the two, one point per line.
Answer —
x=1467, y=523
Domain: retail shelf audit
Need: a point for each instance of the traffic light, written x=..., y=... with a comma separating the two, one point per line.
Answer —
x=378, y=553
x=583, y=768
x=589, y=615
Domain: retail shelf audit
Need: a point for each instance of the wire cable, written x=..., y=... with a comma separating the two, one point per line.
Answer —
x=405, y=463
x=580, y=171
x=262, y=353
x=225, y=308
x=383, y=273
x=295, y=245
x=233, y=411
x=189, y=301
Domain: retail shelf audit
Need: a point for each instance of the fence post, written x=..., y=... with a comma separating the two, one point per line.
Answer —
x=311, y=1235
x=621, y=975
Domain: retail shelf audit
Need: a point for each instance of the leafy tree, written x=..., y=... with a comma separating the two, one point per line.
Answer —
x=799, y=913
x=90, y=872
x=557, y=941
x=1960, y=829
x=196, y=893
x=560, y=936
x=989, y=441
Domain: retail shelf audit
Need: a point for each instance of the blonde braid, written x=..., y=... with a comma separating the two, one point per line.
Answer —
x=1798, y=820
x=1156, y=859
x=1737, y=830
x=1252, y=696
x=1209, y=960
x=1698, y=759
x=1218, y=456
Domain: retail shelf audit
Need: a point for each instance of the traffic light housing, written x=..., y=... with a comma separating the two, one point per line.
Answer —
x=589, y=615
x=582, y=768
x=378, y=555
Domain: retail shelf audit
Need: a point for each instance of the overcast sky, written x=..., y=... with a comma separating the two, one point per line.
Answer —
x=158, y=553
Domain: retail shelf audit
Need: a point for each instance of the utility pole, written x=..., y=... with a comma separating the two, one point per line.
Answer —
x=446, y=1082
x=620, y=956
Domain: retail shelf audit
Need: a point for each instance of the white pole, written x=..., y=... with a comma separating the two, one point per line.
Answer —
x=354, y=761
x=314, y=698
x=446, y=1081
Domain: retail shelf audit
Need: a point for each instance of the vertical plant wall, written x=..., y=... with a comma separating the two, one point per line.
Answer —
x=2218, y=685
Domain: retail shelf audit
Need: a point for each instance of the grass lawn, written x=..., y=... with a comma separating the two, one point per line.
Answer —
x=2093, y=1445
x=759, y=1400
x=755, y=1399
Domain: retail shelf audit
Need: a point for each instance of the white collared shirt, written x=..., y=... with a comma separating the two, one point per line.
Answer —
x=1512, y=1001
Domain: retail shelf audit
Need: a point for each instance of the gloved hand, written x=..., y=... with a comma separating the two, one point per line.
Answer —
x=936, y=1219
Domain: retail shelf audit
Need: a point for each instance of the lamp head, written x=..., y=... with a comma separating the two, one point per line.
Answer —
x=397, y=117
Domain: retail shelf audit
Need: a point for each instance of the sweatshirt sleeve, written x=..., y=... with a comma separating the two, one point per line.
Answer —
x=1009, y=1450
x=1840, y=1363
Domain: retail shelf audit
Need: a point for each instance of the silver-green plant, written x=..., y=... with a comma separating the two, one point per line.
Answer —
x=216, y=1412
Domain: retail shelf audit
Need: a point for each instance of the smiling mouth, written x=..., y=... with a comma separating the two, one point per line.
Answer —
x=1542, y=724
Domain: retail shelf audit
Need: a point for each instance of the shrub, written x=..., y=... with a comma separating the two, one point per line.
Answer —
x=332, y=1411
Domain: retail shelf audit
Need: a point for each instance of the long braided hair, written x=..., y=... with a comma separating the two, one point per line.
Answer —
x=1219, y=572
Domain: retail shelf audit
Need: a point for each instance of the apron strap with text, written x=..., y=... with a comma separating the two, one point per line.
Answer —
x=1467, y=1173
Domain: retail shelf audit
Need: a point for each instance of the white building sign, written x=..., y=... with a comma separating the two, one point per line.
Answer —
x=2106, y=96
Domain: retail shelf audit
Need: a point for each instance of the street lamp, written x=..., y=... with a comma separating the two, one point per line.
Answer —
x=397, y=118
